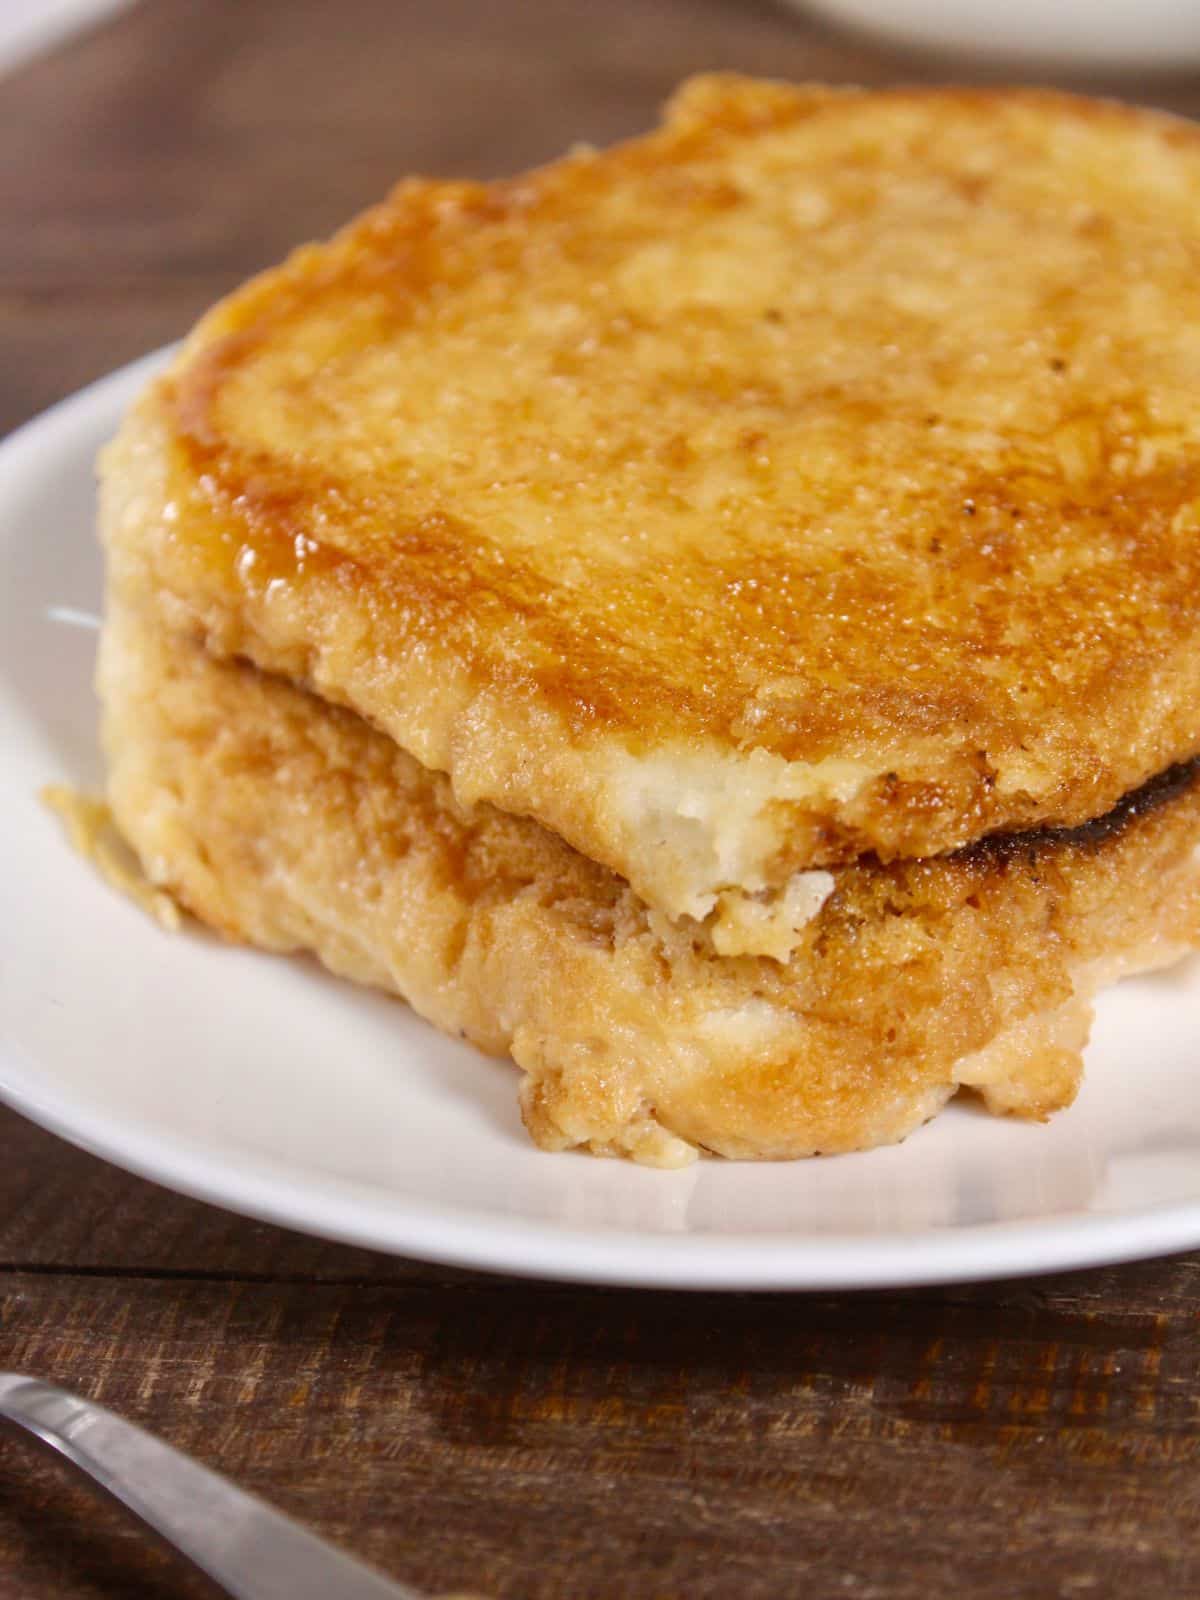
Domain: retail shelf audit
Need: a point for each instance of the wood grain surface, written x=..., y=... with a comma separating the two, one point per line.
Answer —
x=520, y=1440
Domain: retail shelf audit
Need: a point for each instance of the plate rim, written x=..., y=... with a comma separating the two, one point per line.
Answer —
x=480, y=1241
x=462, y=1237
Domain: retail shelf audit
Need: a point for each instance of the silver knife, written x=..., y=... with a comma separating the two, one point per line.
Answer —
x=237, y=1540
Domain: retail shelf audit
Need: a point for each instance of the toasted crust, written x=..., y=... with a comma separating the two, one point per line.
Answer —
x=291, y=824
x=818, y=474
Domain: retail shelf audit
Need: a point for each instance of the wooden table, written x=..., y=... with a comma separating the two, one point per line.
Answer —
x=1032, y=1439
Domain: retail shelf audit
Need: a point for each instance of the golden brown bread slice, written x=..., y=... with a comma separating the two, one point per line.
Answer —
x=819, y=474
x=292, y=824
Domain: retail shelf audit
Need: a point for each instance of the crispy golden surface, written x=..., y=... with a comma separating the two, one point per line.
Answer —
x=819, y=474
x=293, y=825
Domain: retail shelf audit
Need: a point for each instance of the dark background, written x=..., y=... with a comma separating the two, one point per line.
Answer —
x=1021, y=1440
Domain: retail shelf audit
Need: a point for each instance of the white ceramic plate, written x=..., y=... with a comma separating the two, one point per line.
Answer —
x=1112, y=36
x=266, y=1086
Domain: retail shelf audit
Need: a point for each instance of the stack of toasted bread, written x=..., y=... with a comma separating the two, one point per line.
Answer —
x=717, y=619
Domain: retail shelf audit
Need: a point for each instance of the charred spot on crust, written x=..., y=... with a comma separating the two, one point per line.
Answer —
x=1158, y=791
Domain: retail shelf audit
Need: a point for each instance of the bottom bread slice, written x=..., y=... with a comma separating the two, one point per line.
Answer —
x=293, y=825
